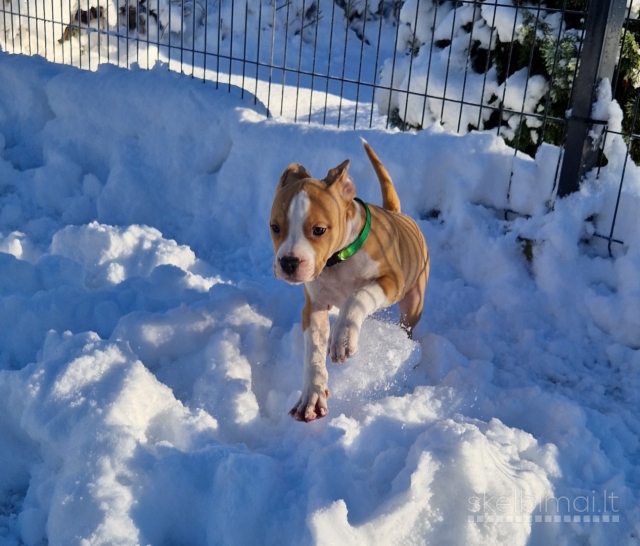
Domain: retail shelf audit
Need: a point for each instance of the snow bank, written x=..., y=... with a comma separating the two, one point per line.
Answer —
x=95, y=409
x=149, y=358
x=111, y=255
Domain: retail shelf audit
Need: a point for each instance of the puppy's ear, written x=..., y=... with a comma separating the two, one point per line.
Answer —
x=340, y=181
x=293, y=172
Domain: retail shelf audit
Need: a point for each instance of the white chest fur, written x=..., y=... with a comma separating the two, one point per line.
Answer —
x=335, y=284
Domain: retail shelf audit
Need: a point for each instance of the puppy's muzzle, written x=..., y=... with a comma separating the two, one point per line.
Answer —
x=289, y=264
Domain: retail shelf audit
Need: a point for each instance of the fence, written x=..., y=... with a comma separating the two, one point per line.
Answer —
x=504, y=66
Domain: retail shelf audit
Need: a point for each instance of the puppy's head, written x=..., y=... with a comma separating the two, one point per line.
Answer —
x=309, y=220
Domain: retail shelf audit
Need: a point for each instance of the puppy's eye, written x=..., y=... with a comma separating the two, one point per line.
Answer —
x=275, y=228
x=319, y=231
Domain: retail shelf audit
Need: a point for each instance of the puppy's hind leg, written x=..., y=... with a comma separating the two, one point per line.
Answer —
x=412, y=303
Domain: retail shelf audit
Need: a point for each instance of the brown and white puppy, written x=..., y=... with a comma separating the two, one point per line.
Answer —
x=313, y=219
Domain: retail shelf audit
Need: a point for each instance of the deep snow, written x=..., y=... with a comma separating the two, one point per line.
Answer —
x=149, y=358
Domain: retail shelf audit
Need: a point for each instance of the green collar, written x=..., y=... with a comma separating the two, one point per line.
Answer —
x=350, y=250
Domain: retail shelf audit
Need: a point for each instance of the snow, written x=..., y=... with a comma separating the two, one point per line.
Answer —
x=436, y=72
x=437, y=75
x=522, y=94
x=505, y=17
x=148, y=358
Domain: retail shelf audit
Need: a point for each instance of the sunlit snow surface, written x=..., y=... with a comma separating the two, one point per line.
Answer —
x=149, y=358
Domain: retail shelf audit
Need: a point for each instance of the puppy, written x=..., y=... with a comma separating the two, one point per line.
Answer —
x=348, y=254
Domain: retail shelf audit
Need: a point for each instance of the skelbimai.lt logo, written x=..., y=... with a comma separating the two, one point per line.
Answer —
x=517, y=507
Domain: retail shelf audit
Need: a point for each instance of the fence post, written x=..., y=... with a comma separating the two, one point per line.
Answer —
x=600, y=50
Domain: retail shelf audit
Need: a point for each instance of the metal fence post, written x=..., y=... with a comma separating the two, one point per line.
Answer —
x=600, y=50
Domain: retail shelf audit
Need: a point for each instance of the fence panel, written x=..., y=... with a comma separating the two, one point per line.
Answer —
x=408, y=64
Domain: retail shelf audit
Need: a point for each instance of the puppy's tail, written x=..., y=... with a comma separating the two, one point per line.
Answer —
x=390, y=200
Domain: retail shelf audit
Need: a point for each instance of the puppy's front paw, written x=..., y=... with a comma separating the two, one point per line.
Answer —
x=312, y=405
x=344, y=342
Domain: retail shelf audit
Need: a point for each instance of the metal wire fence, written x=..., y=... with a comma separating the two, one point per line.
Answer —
x=505, y=66
x=625, y=87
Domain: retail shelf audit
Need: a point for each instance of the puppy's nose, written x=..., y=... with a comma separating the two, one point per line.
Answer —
x=289, y=264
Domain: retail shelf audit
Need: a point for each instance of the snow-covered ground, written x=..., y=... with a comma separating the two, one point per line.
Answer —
x=149, y=357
